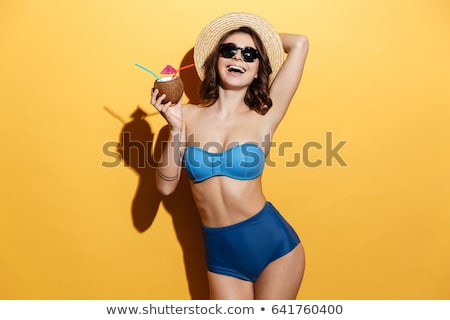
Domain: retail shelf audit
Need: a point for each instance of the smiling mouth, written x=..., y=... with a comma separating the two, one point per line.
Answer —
x=235, y=69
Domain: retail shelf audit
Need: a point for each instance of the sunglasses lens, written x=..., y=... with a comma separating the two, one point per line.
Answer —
x=249, y=54
x=229, y=50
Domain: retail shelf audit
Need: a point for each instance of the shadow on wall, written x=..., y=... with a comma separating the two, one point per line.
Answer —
x=187, y=224
x=136, y=150
x=191, y=81
x=136, y=144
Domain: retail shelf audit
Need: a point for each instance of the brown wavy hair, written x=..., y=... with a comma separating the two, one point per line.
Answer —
x=257, y=95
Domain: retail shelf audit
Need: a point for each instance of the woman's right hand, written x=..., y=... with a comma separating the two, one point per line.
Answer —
x=172, y=114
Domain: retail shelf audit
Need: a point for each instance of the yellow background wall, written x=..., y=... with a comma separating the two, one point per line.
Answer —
x=377, y=76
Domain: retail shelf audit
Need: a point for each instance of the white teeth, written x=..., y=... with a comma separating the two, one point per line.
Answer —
x=236, y=69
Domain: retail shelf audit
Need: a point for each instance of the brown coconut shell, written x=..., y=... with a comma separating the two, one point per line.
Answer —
x=173, y=89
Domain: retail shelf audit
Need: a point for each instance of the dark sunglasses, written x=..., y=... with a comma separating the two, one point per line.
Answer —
x=229, y=50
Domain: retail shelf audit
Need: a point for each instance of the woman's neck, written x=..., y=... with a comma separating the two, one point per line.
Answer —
x=231, y=102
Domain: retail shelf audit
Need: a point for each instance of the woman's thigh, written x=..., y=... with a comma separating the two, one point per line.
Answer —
x=282, y=278
x=224, y=287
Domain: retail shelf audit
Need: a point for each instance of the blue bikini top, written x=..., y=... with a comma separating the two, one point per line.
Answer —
x=241, y=162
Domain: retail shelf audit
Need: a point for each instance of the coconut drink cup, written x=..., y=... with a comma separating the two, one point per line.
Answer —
x=171, y=86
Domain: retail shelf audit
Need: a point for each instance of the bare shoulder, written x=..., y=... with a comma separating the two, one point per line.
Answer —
x=192, y=114
x=191, y=110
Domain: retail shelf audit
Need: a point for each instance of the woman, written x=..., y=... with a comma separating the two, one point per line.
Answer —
x=251, y=251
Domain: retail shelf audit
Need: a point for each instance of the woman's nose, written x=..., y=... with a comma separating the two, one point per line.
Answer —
x=238, y=55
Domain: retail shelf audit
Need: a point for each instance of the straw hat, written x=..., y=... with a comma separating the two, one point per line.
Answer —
x=213, y=31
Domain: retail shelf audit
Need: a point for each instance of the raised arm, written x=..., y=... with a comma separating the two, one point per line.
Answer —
x=288, y=78
x=169, y=166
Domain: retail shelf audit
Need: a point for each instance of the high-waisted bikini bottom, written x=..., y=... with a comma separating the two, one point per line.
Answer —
x=244, y=249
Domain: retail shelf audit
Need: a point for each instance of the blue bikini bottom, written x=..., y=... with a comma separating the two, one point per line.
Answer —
x=244, y=249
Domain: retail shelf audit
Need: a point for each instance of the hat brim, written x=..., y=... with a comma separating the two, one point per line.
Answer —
x=213, y=31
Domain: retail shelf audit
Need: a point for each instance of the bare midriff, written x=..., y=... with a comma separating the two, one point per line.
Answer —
x=223, y=201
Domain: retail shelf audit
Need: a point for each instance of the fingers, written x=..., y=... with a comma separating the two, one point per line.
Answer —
x=165, y=107
x=172, y=114
x=157, y=101
x=154, y=97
